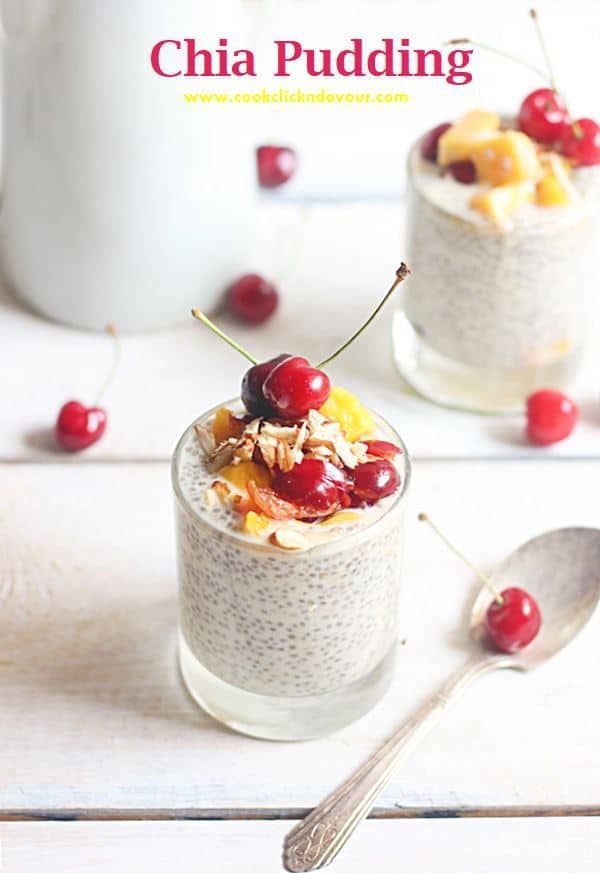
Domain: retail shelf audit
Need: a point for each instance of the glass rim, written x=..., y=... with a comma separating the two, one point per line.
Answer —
x=185, y=504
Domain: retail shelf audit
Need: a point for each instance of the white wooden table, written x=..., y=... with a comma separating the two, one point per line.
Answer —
x=104, y=760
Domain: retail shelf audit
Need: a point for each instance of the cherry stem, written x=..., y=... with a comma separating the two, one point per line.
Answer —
x=205, y=320
x=112, y=331
x=540, y=35
x=497, y=51
x=485, y=579
x=401, y=273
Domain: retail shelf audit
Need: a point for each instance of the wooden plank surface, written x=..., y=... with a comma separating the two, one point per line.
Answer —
x=168, y=378
x=94, y=716
x=436, y=846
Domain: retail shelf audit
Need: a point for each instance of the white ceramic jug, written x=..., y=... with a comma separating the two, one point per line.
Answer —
x=120, y=201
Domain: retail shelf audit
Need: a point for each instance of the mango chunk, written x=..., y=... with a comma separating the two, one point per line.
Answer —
x=240, y=474
x=344, y=517
x=256, y=523
x=345, y=408
x=226, y=425
x=549, y=192
x=498, y=203
x=457, y=143
x=507, y=159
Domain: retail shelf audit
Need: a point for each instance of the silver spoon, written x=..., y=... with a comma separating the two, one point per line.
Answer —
x=561, y=569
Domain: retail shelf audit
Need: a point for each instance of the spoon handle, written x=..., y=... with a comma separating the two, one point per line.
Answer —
x=316, y=840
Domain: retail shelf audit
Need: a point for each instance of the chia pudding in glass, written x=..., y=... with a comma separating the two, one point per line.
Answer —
x=503, y=243
x=288, y=584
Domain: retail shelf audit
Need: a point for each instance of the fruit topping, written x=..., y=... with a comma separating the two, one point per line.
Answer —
x=498, y=203
x=581, y=142
x=429, y=143
x=276, y=164
x=551, y=417
x=256, y=523
x=375, y=480
x=344, y=407
x=252, y=299
x=457, y=143
x=550, y=192
x=226, y=425
x=509, y=158
x=382, y=449
x=240, y=474
x=270, y=503
x=463, y=172
x=252, y=386
x=514, y=622
x=293, y=387
x=513, y=619
x=316, y=484
x=543, y=116
x=344, y=517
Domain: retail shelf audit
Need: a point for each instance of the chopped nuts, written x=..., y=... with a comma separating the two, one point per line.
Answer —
x=283, y=445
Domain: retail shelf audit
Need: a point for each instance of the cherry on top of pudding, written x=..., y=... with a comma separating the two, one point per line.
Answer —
x=292, y=484
x=483, y=170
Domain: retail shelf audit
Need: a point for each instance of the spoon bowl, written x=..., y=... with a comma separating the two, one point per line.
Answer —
x=561, y=570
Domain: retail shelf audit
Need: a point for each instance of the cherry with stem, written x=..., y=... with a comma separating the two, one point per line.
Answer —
x=513, y=618
x=79, y=426
x=287, y=386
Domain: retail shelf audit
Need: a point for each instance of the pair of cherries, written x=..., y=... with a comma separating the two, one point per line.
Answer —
x=324, y=487
x=285, y=387
x=544, y=117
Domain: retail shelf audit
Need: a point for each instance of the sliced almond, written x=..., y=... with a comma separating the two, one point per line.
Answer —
x=205, y=438
x=289, y=539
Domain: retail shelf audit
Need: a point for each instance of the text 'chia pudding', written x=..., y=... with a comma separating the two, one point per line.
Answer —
x=289, y=520
x=504, y=226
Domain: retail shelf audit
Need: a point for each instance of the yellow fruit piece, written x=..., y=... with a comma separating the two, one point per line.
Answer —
x=498, y=203
x=345, y=408
x=457, y=143
x=550, y=192
x=225, y=425
x=344, y=517
x=240, y=474
x=508, y=158
x=255, y=523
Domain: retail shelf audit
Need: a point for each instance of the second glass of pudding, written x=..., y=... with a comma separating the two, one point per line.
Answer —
x=501, y=296
x=292, y=640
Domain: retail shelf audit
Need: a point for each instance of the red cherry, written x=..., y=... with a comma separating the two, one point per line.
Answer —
x=252, y=299
x=551, y=416
x=429, y=143
x=463, y=172
x=543, y=116
x=252, y=386
x=515, y=622
x=276, y=164
x=78, y=426
x=581, y=142
x=374, y=480
x=382, y=449
x=293, y=387
x=313, y=483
